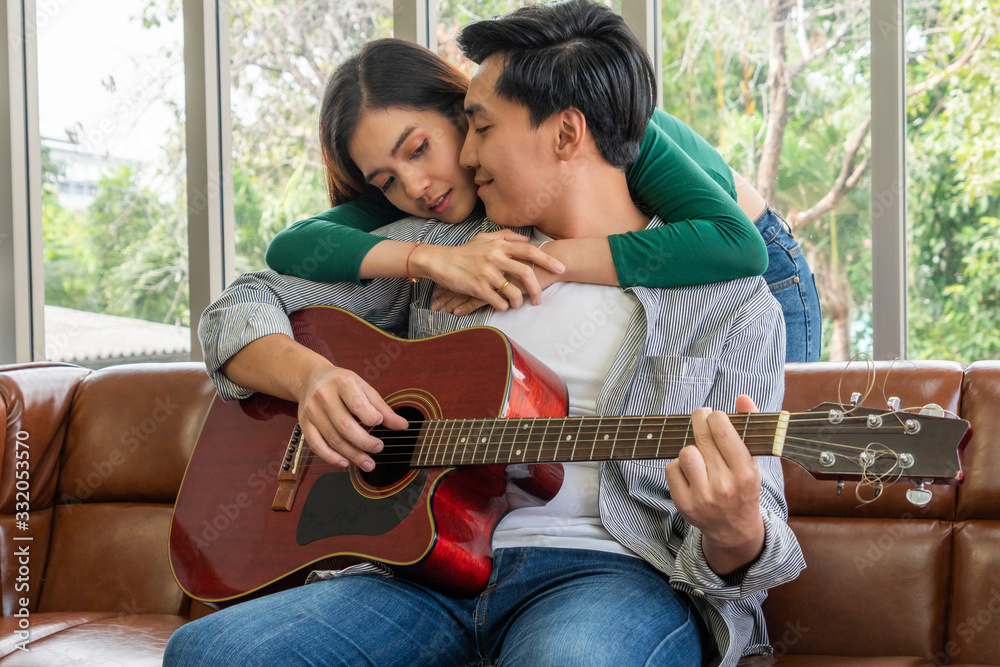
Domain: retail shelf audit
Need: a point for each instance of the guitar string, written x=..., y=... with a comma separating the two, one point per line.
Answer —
x=666, y=435
x=447, y=450
x=766, y=419
x=469, y=425
x=402, y=457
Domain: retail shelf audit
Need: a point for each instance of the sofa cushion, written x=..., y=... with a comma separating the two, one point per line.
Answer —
x=95, y=639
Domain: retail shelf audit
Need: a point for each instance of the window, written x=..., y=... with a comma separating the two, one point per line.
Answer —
x=114, y=217
x=112, y=125
x=953, y=180
x=282, y=55
x=811, y=164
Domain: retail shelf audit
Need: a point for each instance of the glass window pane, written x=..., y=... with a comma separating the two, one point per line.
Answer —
x=114, y=212
x=811, y=129
x=953, y=179
x=453, y=15
x=282, y=54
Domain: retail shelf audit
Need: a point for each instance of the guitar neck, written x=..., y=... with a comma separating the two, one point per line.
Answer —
x=458, y=442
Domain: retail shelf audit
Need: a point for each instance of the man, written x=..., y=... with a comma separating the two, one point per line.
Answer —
x=632, y=562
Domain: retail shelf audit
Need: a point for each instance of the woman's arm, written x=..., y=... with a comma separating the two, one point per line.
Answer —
x=711, y=241
x=336, y=246
x=331, y=246
x=706, y=236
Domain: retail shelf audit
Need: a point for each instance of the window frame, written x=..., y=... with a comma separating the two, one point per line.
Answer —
x=210, y=198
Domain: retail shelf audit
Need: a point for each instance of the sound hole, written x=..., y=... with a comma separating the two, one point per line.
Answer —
x=393, y=462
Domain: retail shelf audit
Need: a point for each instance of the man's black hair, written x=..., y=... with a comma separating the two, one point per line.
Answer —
x=574, y=54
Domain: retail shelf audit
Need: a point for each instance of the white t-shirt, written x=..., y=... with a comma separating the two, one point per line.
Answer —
x=576, y=331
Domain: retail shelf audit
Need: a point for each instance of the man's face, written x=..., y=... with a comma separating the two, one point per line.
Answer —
x=515, y=164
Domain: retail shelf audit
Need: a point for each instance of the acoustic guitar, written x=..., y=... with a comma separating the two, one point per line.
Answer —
x=488, y=430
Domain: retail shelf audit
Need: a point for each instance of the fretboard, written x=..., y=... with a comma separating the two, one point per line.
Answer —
x=458, y=442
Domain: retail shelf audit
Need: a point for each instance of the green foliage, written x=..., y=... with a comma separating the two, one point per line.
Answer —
x=715, y=64
x=282, y=56
x=125, y=255
x=953, y=185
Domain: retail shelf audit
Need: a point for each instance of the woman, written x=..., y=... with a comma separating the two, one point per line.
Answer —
x=399, y=75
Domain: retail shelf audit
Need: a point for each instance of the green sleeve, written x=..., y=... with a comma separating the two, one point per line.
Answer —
x=705, y=237
x=329, y=247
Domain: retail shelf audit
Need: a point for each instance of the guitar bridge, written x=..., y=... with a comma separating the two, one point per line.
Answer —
x=288, y=472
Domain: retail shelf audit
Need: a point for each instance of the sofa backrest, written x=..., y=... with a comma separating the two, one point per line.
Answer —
x=107, y=452
x=892, y=578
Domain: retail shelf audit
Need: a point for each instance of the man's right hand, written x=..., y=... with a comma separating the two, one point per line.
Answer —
x=335, y=406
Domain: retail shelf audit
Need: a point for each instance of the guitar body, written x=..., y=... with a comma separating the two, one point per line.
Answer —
x=430, y=524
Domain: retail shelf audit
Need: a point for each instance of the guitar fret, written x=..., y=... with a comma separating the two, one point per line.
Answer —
x=554, y=456
x=435, y=437
x=457, y=452
x=594, y=426
x=422, y=435
x=519, y=439
x=461, y=441
x=618, y=428
x=463, y=432
x=545, y=433
x=489, y=442
x=429, y=451
x=438, y=446
x=450, y=436
x=573, y=438
x=453, y=442
x=481, y=440
x=687, y=432
x=593, y=445
x=635, y=444
x=507, y=445
x=572, y=453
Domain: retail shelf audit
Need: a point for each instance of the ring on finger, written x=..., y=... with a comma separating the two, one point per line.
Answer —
x=505, y=283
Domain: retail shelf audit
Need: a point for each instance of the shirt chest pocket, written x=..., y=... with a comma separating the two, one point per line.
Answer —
x=671, y=385
x=426, y=323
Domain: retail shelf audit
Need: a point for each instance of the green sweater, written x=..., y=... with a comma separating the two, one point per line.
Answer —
x=675, y=167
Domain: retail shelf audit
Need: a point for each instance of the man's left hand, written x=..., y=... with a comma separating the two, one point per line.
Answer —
x=716, y=487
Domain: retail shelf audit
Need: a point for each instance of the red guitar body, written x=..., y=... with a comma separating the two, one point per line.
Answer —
x=431, y=524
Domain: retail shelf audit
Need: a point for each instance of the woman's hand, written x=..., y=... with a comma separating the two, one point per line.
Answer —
x=493, y=268
x=447, y=301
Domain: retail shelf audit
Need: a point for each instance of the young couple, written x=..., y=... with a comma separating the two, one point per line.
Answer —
x=639, y=562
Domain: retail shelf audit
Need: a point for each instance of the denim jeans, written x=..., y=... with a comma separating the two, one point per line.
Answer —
x=792, y=284
x=543, y=606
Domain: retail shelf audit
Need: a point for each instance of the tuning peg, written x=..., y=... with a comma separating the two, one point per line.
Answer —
x=840, y=485
x=932, y=410
x=919, y=495
x=893, y=403
x=856, y=398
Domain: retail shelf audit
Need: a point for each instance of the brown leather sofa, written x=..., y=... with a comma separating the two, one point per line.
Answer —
x=888, y=583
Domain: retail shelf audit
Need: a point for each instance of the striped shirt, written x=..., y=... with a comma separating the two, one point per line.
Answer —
x=684, y=348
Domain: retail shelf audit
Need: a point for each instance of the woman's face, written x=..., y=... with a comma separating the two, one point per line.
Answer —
x=412, y=157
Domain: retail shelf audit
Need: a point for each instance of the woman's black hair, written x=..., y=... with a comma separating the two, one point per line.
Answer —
x=574, y=54
x=384, y=73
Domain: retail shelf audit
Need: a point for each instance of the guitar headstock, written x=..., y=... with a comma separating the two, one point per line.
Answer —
x=832, y=441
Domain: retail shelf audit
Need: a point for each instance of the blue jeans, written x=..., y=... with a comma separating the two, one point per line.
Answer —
x=542, y=607
x=792, y=284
